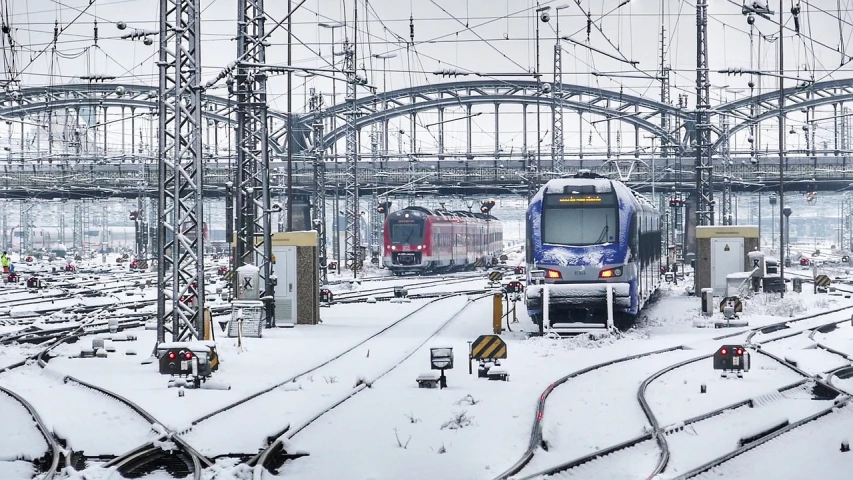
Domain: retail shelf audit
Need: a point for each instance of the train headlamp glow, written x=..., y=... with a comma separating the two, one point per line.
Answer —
x=393, y=247
x=610, y=273
x=553, y=274
x=420, y=247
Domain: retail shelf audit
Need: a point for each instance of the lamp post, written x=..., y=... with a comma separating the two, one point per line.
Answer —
x=545, y=17
x=332, y=26
x=384, y=57
x=782, y=132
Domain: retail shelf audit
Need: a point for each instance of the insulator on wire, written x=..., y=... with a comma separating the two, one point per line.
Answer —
x=412, y=29
x=96, y=33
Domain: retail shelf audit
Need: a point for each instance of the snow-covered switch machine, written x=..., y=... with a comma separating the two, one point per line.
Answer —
x=731, y=358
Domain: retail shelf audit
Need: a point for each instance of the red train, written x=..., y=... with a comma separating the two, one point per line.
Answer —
x=421, y=240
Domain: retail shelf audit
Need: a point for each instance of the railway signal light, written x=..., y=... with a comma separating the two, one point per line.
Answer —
x=384, y=207
x=134, y=214
x=487, y=206
x=733, y=358
x=676, y=202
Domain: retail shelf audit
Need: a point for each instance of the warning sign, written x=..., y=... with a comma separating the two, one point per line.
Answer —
x=727, y=248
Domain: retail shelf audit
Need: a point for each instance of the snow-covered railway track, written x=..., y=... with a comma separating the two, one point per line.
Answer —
x=345, y=297
x=273, y=456
x=656, y=434
x=295, y=398
x=25, y=441
x=120, y=423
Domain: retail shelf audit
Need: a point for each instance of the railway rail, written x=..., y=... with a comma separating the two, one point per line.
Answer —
x=55, y=452
x=657, y=434
x=378, y=355
x=131, y=462
x=273, y=456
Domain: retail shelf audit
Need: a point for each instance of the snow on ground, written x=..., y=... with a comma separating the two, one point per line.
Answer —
x=89, y=421
x=840, y=339
x=676, y=396
x=701, y=442
x=20, y=438
x=294, y=403
x=358, y=440
x=279, y=355
x=627, y=464
x=804, y=352
x=572, y=425
x=811, y=451
x=16, y=470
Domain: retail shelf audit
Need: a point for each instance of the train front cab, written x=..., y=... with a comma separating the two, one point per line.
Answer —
x=406, y=241
x=585, y=244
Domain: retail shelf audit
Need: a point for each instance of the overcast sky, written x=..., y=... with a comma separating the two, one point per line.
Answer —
x=487, y=36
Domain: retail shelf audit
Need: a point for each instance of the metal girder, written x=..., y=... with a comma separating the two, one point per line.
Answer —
x=180, y=210
x=77, y=96
x=704, y=167
x=253, y=227
x=822, y=93
x=456, y=94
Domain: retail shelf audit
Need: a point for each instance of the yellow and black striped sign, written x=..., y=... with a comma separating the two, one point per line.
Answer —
x=822, y=281
x=488, y=347
x=496, y=276
x=734, y=302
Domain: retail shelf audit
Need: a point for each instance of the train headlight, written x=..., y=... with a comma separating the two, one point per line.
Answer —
x=393, y=247
x=610, y=273
x=420, y=247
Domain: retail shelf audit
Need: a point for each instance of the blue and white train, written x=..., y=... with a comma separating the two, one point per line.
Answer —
x=590, y=238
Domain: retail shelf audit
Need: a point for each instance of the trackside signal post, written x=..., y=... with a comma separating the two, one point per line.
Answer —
x=732, y=358
x=488, y=350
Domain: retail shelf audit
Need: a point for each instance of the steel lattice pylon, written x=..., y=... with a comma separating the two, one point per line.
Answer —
x=352, y=240
x=704, y=167
x=316, y=106
x=557, y=117
x=726, y=213
x=252, y=196
x=180, y=265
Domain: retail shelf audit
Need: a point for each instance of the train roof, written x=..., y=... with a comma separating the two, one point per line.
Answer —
x=598, y=183
x=446, y=213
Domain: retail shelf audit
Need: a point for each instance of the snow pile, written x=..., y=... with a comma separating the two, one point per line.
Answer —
x=792, y=305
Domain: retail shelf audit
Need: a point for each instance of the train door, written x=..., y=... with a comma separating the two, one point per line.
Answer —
x=458, y=240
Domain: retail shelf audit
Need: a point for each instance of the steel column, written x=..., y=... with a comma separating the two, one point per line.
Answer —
x=180, y=265
x=704, y=168
x=253, y=222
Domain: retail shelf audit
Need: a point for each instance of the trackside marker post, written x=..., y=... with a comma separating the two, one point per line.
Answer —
x=497, y=312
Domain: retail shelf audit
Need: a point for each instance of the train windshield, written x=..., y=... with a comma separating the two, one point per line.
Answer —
x=580, y=220
x=407, y=233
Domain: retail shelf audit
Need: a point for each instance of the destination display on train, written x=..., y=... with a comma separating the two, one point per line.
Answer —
x=590, y=199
